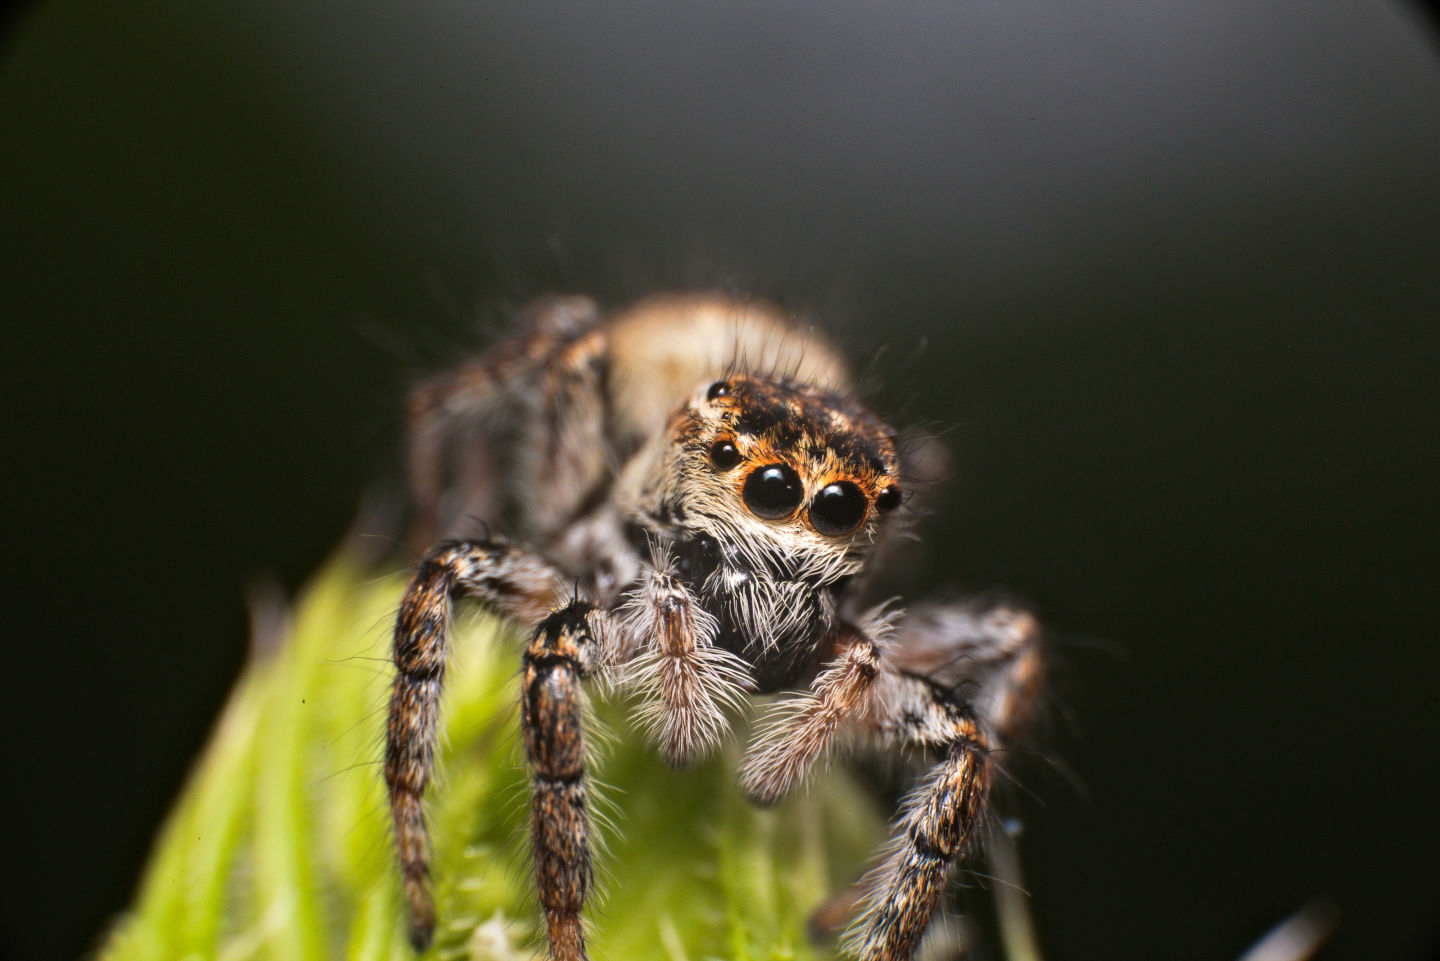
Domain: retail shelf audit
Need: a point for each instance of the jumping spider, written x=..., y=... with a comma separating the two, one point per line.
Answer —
x=696, y=494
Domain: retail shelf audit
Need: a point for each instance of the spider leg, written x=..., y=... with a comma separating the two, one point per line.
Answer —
x=905, y=696
x=686, y=681
x=436, y=410
x=785, y=751
x=932, y=652
x=990, y=648
x=568, y=423
x=564, y=650
x=510, y=582
x=452, y=419
x=938, y=822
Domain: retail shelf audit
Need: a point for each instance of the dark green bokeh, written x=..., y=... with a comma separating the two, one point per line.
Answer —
x=1185, y=361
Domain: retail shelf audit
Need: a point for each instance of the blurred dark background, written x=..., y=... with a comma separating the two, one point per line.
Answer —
x=1167, y=275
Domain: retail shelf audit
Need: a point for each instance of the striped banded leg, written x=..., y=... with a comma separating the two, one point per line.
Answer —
x=938, y=823
x=993, y=652
x=510, y=582
x=454, y=420
x=991, y=649
x=563, y=652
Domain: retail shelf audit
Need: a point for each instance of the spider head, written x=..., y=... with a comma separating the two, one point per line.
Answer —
x=771, y=494
x=789, y=465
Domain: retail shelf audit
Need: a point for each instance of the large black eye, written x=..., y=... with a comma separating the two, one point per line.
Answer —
x=718, y=389
x=837, y=509
x=773, y=492
x=724, y=455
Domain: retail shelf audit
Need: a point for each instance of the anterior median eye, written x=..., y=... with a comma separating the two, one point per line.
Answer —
x=773, y=491
x=837, y=509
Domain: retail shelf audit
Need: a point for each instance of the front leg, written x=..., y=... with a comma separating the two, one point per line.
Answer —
x=566, y=648
x=939, y=821
x=510, y=582
x=993, y=653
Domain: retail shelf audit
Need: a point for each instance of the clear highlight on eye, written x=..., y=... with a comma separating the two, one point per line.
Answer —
x=888, y=499
x=838, y=508
x=773, y=491
x=724, y=455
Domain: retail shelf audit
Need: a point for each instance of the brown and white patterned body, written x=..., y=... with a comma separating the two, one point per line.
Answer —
x=695, y=489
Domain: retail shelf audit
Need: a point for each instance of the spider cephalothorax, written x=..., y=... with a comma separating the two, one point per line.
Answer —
x=698, y=490
x=770, y=495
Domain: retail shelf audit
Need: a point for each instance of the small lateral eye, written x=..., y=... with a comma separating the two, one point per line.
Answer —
x=773, y=491
x=724, y=455
x=718, y=389
x=838, y=509
x=888, y=499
